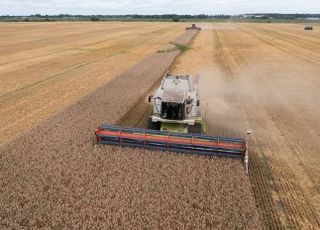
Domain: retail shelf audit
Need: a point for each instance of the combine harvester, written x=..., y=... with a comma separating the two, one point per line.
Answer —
x=176, y=125
x=308, y=27
x=193, y=27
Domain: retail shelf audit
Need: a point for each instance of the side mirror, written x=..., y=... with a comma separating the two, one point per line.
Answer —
x=198, y=102
x=150, y=98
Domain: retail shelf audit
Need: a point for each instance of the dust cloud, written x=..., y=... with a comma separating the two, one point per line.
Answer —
x=218, y=104
x=211, y=90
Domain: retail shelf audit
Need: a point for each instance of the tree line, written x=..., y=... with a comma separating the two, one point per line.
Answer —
x=164, y=17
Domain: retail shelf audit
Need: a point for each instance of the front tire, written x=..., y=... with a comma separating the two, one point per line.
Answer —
x=153, y=125
x=196, y=128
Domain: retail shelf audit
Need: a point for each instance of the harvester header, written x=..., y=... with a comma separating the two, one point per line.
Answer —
x=168, y=141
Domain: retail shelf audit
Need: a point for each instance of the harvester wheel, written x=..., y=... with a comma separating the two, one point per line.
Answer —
x=153, y=125
x=196, y=128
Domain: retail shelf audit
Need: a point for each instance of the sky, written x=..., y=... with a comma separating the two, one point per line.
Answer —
x=211, y=7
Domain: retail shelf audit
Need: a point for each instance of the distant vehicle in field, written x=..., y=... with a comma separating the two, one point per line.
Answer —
x=193, y=27
x=308, y=27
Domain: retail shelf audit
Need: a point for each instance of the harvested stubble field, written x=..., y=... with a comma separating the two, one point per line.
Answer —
x=263, y=77
x=45, y=67
x=266, y=78
x=54, y=176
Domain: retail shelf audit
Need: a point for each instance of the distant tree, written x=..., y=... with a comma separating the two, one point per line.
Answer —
x=175, y=19
x=202, y=16
x=95, y=19
x=221, y=16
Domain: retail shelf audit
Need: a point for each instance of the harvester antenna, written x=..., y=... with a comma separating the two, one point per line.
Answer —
x=246, y=157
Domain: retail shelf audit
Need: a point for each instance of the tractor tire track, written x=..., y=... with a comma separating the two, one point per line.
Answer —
x=300, y=212
x=307, y=55
x=261, y=185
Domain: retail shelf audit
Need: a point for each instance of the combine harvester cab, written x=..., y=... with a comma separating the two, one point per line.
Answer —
x=176, y=105
x=176, y=125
